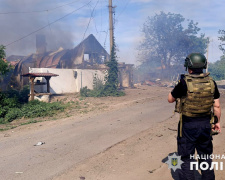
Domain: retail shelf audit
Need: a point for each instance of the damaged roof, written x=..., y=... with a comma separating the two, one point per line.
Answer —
x=66, y=59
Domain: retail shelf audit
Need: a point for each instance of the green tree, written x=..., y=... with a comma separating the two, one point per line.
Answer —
x=217, y=69
x=4, y=67
x=166, y=42
x=112, y=77
x=222, y=40
x=111, y=84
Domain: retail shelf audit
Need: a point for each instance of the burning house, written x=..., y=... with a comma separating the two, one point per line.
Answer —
x=88, y=55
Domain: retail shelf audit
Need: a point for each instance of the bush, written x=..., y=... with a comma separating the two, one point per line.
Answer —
x=21, y=95
x=109, y=92
x=2, y=121
x=11, y=109
x=6, y=104
x=40, y=109
x=100, y=89
x=84, y=92
x=12, y=114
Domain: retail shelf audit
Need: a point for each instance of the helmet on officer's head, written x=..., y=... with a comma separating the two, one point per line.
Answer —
x=195, y=61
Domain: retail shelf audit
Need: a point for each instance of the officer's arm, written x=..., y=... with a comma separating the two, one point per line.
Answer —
x=217, y=109
x=217, y=112
x=177, y=92
x=171, y=99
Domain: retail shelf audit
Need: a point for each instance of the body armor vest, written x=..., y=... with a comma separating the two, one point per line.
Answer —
x=200, y=95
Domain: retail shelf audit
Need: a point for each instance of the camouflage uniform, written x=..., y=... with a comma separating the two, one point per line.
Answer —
x=197, y=93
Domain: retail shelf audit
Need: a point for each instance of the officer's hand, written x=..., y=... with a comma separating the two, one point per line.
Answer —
x=217, y=127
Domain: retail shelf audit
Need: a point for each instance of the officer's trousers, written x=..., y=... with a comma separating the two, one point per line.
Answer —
x=195, y=136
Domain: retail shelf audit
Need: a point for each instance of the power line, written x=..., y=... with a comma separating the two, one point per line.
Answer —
x=90, y=19
x=27, y=12
x=93, y=17
x=101, y=15
x=101, y=20
x=47, y=25
x=95, y=25
x=106, y=38
x=123, y=9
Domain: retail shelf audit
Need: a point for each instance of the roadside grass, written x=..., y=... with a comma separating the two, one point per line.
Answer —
x=30, y=122
x=32, y=109
x=15, y=112
x=36, y=111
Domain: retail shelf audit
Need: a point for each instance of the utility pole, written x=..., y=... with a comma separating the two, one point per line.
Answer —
x=111, y=25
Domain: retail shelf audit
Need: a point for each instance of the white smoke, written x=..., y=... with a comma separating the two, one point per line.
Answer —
x=16, y=25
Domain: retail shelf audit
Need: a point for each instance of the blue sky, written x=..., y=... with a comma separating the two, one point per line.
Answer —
x=129, y=14
x=209, y=15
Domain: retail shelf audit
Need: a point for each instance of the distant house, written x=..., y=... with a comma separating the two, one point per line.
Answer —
x=67, y=81
x=89, y=54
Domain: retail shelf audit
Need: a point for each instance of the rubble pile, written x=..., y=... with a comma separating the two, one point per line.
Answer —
x=158, y=82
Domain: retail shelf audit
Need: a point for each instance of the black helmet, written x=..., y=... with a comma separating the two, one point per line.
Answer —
x=195, y=61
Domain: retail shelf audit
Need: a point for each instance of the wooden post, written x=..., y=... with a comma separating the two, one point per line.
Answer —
x=32, y=88
x=111, y=25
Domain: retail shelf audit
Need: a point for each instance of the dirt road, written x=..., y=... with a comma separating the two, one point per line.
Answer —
x=70, y=141
x=142, y=156
x=125, y=141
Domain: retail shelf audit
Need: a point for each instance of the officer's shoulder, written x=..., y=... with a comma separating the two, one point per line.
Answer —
x=212, y=79
x=215, y=83
x=182, y=76
x=180, y=81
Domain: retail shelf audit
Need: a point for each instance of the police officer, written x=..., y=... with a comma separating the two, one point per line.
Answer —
x=199, y=95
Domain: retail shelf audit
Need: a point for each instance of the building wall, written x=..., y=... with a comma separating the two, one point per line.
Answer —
x=68, y=81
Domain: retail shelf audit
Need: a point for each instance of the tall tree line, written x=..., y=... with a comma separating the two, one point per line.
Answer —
x=168, y=39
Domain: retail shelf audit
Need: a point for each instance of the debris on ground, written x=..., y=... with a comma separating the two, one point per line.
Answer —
x=172, y=129
x=39, y=143
x=159, y=83
x=152, y=171
x=159, y=135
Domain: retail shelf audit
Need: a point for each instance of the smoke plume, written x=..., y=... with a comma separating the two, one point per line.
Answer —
x=20, y=18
